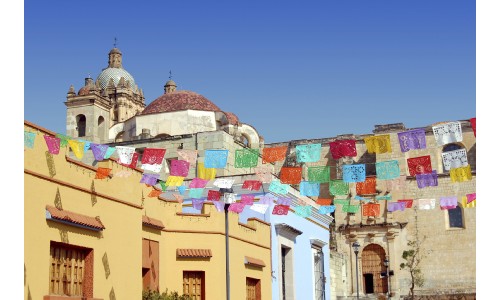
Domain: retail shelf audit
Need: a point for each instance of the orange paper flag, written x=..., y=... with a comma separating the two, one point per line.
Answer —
x=273, y=154
x=102, y=173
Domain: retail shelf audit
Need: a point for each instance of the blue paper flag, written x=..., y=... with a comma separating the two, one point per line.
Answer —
x=354, y=173
x=29, y=139
x=308, y=152
x=387, y=170
x=215, y=159
x=326, y=209
x=309, y=188
x=182, y=189
x=278, y=187
x=196, y=193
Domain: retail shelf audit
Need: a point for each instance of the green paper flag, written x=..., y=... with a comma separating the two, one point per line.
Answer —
x=339, y=188
x=246, y=158
x=318, y=174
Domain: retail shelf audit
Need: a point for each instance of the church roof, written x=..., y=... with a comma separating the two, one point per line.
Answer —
x=115, y=74
x=179, y=100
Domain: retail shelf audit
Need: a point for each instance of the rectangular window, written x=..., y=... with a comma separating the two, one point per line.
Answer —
x=319, y=274
x=194, y=284
x=253, y=289
x=67, y=269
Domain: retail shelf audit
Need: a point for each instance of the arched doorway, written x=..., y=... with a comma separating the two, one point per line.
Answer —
x=372, y=264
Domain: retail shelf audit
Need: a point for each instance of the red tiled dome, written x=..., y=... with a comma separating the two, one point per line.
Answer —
x=232, y=118
x=84, y=91
x=179, y=100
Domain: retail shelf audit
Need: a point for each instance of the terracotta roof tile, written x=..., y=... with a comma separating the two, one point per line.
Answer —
x=152, y=222
x=194, y=252
x=75, y=218
x=179, y=100
x=254, y=262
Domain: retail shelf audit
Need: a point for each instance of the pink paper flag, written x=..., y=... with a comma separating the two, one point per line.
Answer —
x=53, y=143
x=198, y=183
x=213, y=195
x=247, y=199
x=179, y=168
x=471, y=197
x=188, y=155
x=253, y=185
x=236, y=207
x=280, y=210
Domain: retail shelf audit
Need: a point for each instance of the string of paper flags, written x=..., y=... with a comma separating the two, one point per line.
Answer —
x=389, y=171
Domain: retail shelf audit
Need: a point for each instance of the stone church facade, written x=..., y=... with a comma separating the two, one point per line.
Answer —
x=112, y=110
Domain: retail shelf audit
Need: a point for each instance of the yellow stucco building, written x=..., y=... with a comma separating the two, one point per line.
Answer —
x=107, y=239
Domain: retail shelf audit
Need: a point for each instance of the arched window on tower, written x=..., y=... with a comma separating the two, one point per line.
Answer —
x=81, y=124
x=100, y=127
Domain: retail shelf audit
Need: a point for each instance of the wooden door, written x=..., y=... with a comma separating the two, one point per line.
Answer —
x=372, y=262
x=253, y=289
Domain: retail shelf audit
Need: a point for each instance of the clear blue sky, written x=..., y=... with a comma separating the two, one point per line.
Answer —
x=291, y=69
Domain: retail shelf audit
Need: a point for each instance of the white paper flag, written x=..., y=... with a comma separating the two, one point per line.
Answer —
x=261, y=208
x=426, y=203
x=223, y=183
x=447, y=133
x=125, y=154
x=454, y=159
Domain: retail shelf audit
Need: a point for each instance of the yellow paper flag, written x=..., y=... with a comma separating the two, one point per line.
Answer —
x=77, y=148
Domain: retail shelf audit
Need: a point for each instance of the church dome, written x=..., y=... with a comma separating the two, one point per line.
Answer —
x=179, y=100
x=115, y=74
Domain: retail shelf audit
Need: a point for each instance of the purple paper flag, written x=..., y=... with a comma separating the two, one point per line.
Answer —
x=424, y=180
x=53, y=143
x=149, y=178
x=284, y=201
x=197, y=203
x=393, y=206
x=412, y=139
x=247, y=199
x=219, y=205
x=198, y=183
x=268, y=199
x=448, y=202
x=179, y=168
x=99, y=151
x=236, y=207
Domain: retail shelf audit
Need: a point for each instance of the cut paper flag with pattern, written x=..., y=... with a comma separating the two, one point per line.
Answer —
x=412, y=140
x=196, y=193
x=341, y=201
x=291, y=175
x=86, y=145
x=338, y=188
x=397, y=184
x=426, y=204
x=152, y=159
x=213, y=195
x=280, y=210
x=77, y=148
x=354, y=173
x=371, y=210
x=198, y=183
x=274, y=154
x=303, y=211
x=324, y=201
x=182, y=189
x=361, y=198
x=394, y=206
x=174, y=180
x=206, y=173
x=466, y=204
x=247, y=199
x=252, y=185
x=378, y=144
x=215, y=159
x=425, y=180
x=384, y=197
x=408, y=202
x=150, y=179
x=461, y=174
x=309, y=188
x=264, y=173
x=284, y=201
x=223, y=183
x=473, y=125
x=53, y=144
x=450, y=132
x=109, y=152
x=154, y=193
x=102, y=173
x=188, y=155
x=267, y=199
x=125, y=154
x=367, y=187
x=387, y=170
x=197, y=203
x=326, y=209
x=63, y=138
x=278, y=187
x=343, y=148
x=260, y=208
x=29, y=139
x=419, y=165
x=470, y=197
x=350, y=208
x=236, y=207
x=308, y=152
x=98, y=151
x=318, y=174
x=163, y=185
x=219, y=205
x=133, y=164
x=229, y=197
x=454, y=159
x=179, y=167
x=246, y=158
x=448, y=202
